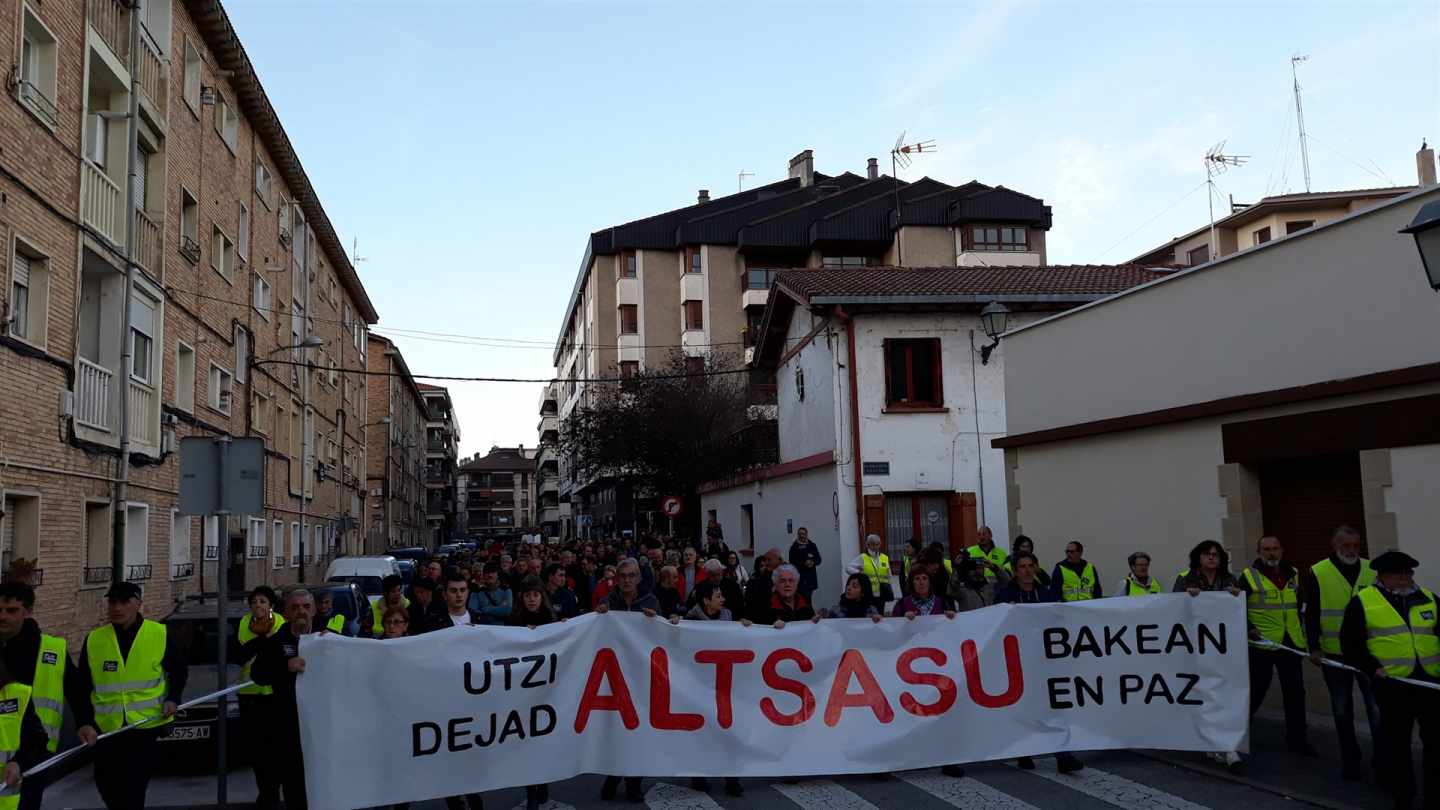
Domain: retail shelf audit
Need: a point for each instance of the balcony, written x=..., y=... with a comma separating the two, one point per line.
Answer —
x=548, y=424
x=182, y=570
x=111, y=20
x=153, y=76
x=101, y=203
x=147, y=242
x=97, y=575
x=757, y=286
x=137, y=573
x=550, y=483
x=144, y=430
x=92, y=395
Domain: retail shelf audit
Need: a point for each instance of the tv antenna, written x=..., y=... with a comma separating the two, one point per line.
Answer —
x=900, y=159
x=355, y=257
x=740, y=179
x=1295, y=62
x=1216, y=162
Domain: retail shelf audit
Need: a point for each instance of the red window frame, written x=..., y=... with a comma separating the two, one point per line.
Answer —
x=629, y=315
x=902, y=350
x=694, y=312
x=692, y=260
x=628, y=264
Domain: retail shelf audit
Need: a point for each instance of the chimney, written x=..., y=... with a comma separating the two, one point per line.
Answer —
x=702, y=197
x=1425, y=165
x=803, y=167
x=872, y=168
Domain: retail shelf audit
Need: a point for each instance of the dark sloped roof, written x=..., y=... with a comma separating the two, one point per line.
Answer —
x=722, y=227
x=871, y=220
x=500, y=459
x=933, y=283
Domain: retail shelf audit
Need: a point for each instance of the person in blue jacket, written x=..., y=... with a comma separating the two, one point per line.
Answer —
x=491, y=603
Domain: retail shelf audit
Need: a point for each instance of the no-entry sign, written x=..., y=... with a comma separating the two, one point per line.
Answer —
x=671, y=506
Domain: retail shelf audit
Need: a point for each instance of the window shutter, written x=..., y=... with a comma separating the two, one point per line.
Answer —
x=20, y=269
x=7, y=528
x=141, y=167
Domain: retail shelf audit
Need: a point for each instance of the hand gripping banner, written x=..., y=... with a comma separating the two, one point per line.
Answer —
x=470, y=709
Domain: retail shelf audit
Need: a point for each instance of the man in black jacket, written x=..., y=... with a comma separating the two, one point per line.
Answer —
x=20, y=655
x=276, y=665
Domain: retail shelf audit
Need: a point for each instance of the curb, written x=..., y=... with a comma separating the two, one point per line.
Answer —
x=1253, y=784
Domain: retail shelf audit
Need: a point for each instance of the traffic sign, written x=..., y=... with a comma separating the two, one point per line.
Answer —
x=671, y=506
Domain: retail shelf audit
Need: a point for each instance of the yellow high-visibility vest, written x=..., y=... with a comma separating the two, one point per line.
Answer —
x=378, y=612
x=14, y=699
x=1400, y=648
x=1077, y=587
x=245, y=634
x=127, y=690
x=1335, y=593
x=47, y=693
x=1274, y=612
x=997, y=555
x=1133, y=588
x=877, y=572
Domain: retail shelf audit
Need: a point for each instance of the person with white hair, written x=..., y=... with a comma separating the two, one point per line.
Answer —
x=875, y=564
x=786, y=603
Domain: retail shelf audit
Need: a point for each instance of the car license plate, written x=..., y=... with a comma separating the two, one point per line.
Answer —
x=186, y=733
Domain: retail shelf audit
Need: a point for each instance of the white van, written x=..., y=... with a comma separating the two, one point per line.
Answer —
x=367, y=572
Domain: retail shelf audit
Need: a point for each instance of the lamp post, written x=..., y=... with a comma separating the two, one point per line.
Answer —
x=309, y=342
x=1426, y=230
x=994, y=319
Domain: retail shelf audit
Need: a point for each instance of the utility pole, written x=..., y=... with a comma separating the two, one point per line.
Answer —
x=1300, y=117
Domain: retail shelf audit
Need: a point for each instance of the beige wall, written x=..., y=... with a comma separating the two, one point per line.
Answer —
x=1334, y=302
x=1244, y=235
x=1411, y=498
x=602, y=276
x=724, y=279
x=923, y=246
x=659, y=272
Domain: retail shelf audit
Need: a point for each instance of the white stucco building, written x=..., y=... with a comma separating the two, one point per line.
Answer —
x=1284, y=389
x=910, y=454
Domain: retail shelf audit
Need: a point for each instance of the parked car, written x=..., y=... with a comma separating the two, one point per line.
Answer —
x=407, y=572
x=350, y=602
x=413, y=553
x=367, y=572
x=191, y=739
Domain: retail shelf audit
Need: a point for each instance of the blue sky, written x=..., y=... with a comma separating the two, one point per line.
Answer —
x=472, y=146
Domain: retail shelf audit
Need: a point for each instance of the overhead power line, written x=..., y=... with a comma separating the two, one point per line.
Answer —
x=540, y=380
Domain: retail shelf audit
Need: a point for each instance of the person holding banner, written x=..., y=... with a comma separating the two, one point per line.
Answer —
x=1390, y=631
x=22, y=737
x=1139, y=582
x=1272, y=610
x=1210, y=571
x=276, y=665
x=256, y=714
x=38, y=661
x=1025, y=588
x=1075, y=579
x=131, y=671
x=786, y=603
x=1325, y=591
x=921, y=600
x=856, y=602
x=627, y=598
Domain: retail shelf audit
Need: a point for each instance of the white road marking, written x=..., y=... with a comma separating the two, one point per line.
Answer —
x=822, y=794
x=1109, y=787
x=968, y=793
x=665, y=796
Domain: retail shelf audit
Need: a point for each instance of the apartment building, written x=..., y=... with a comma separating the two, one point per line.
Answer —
x=396, y=451
x=1249, y=225
x=698, y=278
x=169, y=272
x=499, y=492
x=549, y=511
x=442, y=450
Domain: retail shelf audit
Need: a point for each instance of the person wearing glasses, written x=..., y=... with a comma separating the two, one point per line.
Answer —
x=1075, y=579
x=626, y=597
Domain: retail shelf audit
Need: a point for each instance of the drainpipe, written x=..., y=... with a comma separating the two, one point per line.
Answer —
x=854, y=421
x=122, y=466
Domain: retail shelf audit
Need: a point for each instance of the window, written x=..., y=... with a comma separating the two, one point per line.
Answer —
x=222, y=254
x=912, y=374
x=294, y=545
x=192, y=78
x=97, y=538
x=242, y=244
x=628, y=369
x=629, y=319
x=29, y=294
x=264, y=301
x=38, y=69
x=694, y=314
x=629, y=265
x=692, y=259
x=221, y=389
x=20, y=529
x=227, y=122
x=319, y=543
x=999, y=237
x=143, y=320
x=1199, y=255
x=137, y=541
x=1298, y=225
x=97, y=136
x=264, y=184
x=242, y=352
x=282, y=216
x=260, y=413
x=277, y=533
x=184, y=378
x=211, y=538
x=180, y=529
x=140, y=180
x=844, y=261
x=256, y=539
x=189, y=227
x=1262, y=236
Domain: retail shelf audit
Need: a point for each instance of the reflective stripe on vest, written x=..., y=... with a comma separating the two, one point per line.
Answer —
x=878, y=573
x=1077, y=587
x=377, y=611
x=997, y=555
x=245, y=634
x=127, y=689
x=1400, y=648
x=1272, y=611
x=48, y=690
x=1133, y=588
x=14, y=697
x=1335, y=593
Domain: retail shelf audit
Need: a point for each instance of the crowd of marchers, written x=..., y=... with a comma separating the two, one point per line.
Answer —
x=1364, y=623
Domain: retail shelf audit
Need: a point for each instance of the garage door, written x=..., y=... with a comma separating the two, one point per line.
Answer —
x=1304, y=499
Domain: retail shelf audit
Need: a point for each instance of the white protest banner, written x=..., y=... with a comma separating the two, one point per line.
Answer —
x=473, y=709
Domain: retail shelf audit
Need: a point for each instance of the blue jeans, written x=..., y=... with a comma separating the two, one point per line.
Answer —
x=1342, y=705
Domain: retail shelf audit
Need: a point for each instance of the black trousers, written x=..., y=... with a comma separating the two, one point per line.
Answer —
x=289, y=759
x=257, y=721
x=459, y=802
x=1263, y=663
x=122, y=767
x=1401, y=708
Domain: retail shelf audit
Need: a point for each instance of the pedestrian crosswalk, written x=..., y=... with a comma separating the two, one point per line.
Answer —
x=1112, y=788
x=968, y=792
x=823, y=794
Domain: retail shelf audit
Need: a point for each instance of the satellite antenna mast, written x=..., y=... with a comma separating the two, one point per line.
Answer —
x=1216, y=161
x=900, y=159
x=355, y=257
x=1300, y=116
x=740, y=180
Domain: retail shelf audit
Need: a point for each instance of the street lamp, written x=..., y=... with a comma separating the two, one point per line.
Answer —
x=1426, y=230
x=994, y=319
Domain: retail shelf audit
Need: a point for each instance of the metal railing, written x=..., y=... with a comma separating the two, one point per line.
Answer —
x=259, y=552
x=182, y=570
x=153, y=79
x=92, y=395
x=279, y=561
x=42, y=104
x=137, y=573
x=100, y=202
x=144, y=422
x=97, y=574
x=294, y=560
x=212, y=552
x=111, y=20
x=147, y=242
x=190, y=249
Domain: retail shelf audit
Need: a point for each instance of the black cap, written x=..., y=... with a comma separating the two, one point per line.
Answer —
x=123, y=590
x=1394, y=562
